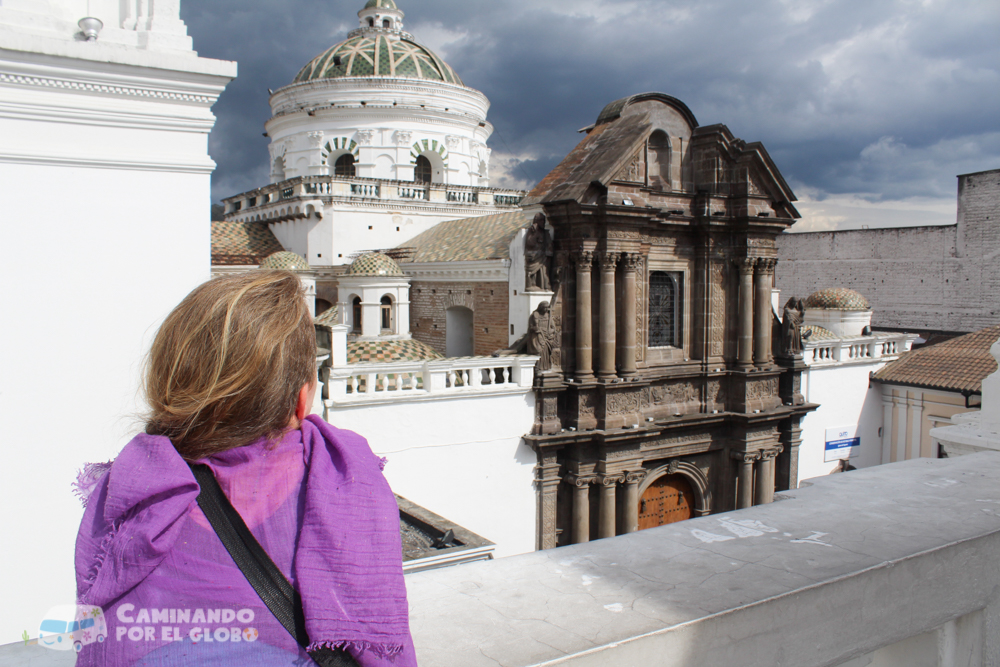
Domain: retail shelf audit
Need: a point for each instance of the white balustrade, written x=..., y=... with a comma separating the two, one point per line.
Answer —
x=856, y=350
x=459, y=376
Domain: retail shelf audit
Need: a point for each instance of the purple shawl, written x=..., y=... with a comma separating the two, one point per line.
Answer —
x=171, y=594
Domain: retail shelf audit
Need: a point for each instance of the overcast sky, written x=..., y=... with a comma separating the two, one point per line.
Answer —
x=870, y=108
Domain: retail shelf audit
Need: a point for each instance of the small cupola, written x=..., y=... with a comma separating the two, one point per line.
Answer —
x=381, y=15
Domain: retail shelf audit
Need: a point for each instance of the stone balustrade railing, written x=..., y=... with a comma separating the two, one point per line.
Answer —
x=855, y=350
x=310, y=187
x=461, y=376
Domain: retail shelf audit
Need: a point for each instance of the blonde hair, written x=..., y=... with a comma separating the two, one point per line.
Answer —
x=227, y=364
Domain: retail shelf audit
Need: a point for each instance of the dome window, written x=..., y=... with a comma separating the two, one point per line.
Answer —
x=422, y=171
x=386, y=24
x=345, y=166
x=371, y=22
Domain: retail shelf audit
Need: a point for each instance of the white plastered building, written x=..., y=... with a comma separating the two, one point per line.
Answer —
x=375, y=141
x=106, y=175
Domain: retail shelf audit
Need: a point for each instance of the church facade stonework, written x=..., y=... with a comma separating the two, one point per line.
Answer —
x=665, y=401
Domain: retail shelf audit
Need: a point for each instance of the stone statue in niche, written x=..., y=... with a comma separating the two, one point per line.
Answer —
x=537, y=255
x=541, y=335
x=791, y=331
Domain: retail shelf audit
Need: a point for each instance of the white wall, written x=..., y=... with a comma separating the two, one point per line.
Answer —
x=438, y=459
x=845, y=400
x=105, y=214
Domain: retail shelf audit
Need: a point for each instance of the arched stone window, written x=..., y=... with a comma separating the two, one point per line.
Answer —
x=423, y=171
x=386, y=24
x=664, y=309
x=659, y=160
x=371, y=23
x=344, y=166
x=386, y=314
x=356, y=313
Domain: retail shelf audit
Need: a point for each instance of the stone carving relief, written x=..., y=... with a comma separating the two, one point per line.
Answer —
x=365, y=137
x=542, y=336
x=762, y=388
x=640, y=309
x=679, y=392
x=587, y=404
x=717, y=335
x=315, y=139
x=537, y=256
x=623, y=234
x=754, y=186
x=714, y=392
x=403, y=137
x=635, y=171
x=624, y=403
x=452, y=141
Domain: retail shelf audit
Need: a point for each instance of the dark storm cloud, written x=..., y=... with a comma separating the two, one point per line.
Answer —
x=885, y=99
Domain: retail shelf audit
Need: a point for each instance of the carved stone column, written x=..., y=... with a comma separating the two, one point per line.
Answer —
x=608, y=262
x=762, y=312
x=630, y=264
x=632, y=481
x=584, y=317
x=744, y=480
x=547, y=483
x=745, y=348
x=765, y=476
x=581, y=508
x=606, y=511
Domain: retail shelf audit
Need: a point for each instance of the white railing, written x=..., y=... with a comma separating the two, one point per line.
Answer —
x=855, y=350
x=462, y=376
x=372, y=188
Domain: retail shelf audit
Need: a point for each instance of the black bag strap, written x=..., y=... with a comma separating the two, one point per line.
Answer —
x=267, y=580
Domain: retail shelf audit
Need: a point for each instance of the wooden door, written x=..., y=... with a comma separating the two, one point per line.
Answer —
x=667, y=500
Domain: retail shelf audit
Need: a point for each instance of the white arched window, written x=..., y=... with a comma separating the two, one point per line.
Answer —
x=385, y=314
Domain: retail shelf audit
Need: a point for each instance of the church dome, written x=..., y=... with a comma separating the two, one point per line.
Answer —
x=382, y=4
x=374, y=264
x=287, y=261
x=378, y=53
x=837, y=298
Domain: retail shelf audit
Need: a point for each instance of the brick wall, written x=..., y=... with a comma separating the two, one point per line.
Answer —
x=429, y=302
x=937, y=278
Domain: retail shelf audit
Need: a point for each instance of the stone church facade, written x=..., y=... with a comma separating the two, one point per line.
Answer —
x=665, y=399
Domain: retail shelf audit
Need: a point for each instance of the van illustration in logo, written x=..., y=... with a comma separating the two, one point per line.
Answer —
x=71, y=626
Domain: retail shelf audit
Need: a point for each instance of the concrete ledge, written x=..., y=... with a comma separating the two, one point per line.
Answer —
x=856, y=562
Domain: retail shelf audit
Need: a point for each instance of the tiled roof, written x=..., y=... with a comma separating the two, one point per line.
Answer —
x=328, y=317
x=837, y=298
x=818, y=333
x=241, y=243
x=365, y=351
x=959, y=364
x=285, y=260
x=378, y=55
x=469, y=239
x=602, y=154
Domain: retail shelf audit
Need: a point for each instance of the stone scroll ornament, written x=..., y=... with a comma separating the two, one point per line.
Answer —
x=537, y=256
x=541, y=335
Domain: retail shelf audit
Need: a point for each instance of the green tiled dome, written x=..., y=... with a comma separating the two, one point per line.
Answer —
x=285, y=260
x=370, y=54
x=363, y=352
x=385, y=4
x=837, y=298
x=374, y=264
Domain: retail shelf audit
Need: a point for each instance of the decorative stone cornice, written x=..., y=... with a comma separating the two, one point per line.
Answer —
x=745, y=457
x=610, y=480
x=745, y=264
x=631, y=261
x=608, y=261
x=579, y=481
x=106, y=89
x=584, y=260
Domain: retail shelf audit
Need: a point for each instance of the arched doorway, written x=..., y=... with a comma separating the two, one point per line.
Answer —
x=458, y=341
x=344, y=166
x=668, y=499
x=423, y=171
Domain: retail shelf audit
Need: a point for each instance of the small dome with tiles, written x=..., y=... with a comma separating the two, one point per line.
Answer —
x=287, y=261
x=375, y=264
x=837, y=298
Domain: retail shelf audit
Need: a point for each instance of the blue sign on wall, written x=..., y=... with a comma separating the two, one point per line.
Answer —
x=842, y=443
